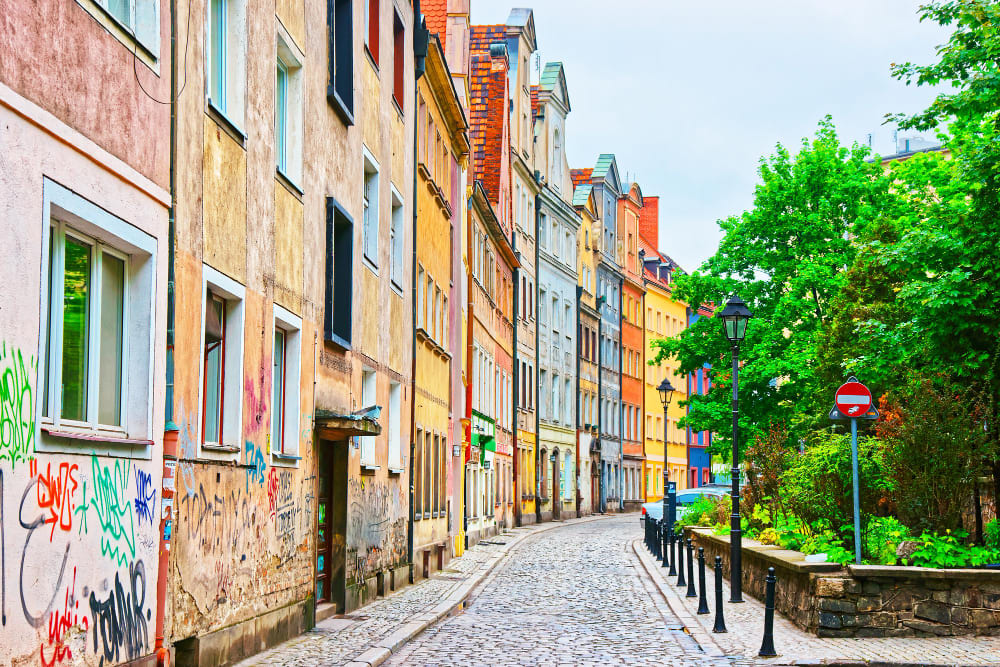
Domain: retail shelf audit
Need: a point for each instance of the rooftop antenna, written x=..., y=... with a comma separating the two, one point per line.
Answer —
x=538, y=66
x=869, y=140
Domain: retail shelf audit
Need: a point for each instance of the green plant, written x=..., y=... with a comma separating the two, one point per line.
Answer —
x=991, y=534
x=701, y=512
x=951, y=550
x=881, y=537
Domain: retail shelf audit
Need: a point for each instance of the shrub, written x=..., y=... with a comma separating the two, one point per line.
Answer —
x=951, y=550
x=991, y=534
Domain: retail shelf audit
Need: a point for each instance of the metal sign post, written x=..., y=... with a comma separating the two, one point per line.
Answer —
x=853, y=401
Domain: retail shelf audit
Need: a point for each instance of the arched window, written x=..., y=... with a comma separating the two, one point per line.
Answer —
x=555, y=167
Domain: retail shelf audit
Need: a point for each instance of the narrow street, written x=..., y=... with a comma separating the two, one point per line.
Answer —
x=574, y=595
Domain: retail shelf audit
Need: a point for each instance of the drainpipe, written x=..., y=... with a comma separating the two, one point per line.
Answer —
x=419, y=54
x=170, y=430
x=517, y=377
x=538, y=448
x=601, y=300
x=621, y=401
x=579, y=343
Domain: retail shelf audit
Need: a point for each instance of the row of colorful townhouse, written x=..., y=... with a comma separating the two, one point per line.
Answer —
x=313, y=304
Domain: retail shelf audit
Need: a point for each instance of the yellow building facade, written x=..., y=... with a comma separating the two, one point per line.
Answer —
x=442, y=154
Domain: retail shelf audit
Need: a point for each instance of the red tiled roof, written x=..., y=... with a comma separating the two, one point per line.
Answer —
x=649, y=220
x=533, y=90
x=580, y=176
x=436, y=13
x=488, y=107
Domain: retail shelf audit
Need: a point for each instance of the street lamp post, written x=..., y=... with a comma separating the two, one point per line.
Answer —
x=666, y=391
x=734, y=322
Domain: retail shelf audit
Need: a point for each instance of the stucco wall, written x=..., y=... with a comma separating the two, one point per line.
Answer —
x=80, y=531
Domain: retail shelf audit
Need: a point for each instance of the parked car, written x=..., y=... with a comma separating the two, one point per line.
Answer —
x=685, y=498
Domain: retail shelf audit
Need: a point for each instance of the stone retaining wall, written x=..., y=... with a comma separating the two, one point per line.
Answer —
x=865, y=600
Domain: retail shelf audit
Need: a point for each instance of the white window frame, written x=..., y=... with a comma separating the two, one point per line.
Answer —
x=291, y=324
x=396, y=237
x=64, y=209
x=290, y=58
x=233, y=103
x=395, y=427
x=370, y=210
x=369, y=398
x=232, y=399
x=142, y=27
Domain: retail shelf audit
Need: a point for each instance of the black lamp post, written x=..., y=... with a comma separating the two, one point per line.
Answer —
x=666, y=391
x=734, y=323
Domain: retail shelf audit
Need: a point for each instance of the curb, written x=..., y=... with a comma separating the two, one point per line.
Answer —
x=673, y=600
x=383, y=648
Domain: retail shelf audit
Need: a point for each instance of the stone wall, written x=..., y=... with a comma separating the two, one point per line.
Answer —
x=866, y=600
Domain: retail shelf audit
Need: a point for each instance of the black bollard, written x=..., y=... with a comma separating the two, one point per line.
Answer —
x=665, y=542
x=691, y=593
x=680, y=559
x=767, y=646
x=702, y=600
x=645, y=530
x=673, y=555
x=720, y=622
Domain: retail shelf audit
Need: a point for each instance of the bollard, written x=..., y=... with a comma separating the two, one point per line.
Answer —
x=665, y=542
x=691, y=593
x=673, y=555
x=656, y=540
x=702, y=600
x=720, y=622
x=645, y=530
x=767, y=646
x=680, y=559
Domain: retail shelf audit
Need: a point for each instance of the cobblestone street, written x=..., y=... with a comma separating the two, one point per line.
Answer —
x=571, y=596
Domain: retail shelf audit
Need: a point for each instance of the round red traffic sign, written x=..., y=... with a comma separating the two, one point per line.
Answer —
x=853, y=399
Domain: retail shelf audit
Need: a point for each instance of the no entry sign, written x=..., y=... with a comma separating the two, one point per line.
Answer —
x=853, y=401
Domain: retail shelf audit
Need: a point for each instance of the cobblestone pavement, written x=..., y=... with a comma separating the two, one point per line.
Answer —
x=745, y=624
x=571, y=596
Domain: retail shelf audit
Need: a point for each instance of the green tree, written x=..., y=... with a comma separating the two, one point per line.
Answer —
x=953, y=261
x=785, y=257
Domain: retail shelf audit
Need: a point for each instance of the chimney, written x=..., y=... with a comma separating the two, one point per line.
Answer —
x=649, y=221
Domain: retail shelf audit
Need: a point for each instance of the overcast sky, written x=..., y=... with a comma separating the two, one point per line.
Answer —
x=689, y=95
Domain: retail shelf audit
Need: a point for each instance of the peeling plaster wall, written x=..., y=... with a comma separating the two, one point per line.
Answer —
x=244, y=529
x=79, y=531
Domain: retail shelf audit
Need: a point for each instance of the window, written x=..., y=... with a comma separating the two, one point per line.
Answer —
x=371, y=28
x=339, y=277
x=370, y=220
x=226, y=58
x=140, y=19
x=429, y=448
x=417, y=474
x=340, y=68
x=368, y=398
x=288, y=111
x=437, y=472
x=421, y=304
x=396, y=240
x=398, y=58
x=286, y=369
x=222, y=361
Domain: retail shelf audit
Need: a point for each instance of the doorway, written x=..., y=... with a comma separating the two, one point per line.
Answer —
x=331, y=527
x=557, y=487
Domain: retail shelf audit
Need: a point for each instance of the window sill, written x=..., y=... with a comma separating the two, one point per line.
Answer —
x=288, y=183
x=227, y=124
x=417, y=516
x=223, y=449
x=371, y=59
x=399, y=108
x=72, y=441
x=369, y=468
x=396, y=471
x=343, y=111
x=340, y=343
x=369, y=264
x=285, y=460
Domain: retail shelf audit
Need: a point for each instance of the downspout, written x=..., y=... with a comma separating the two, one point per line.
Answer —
x=538, y=449
x=621, y=402
x=601, y=301
x=170, y=429
x=419, y=54
x=579, y=343
x=514, y=393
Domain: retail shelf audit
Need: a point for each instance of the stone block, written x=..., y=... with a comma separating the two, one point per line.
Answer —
x=868, y=603
x=828, y=620
x=830, y=587
x=844, y=606
x=990, y=600
x=868, y=633
x=937, y=584
x=851, y=620
x=833, y=632
x=959, y=616
x=929, y=628
x=983, y=618
x=883, y=619
x=932, y=610
x=965, y=597
x=870, y=587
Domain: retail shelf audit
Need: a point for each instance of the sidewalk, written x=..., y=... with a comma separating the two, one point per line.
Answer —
x=369, y=635
x=745, y=625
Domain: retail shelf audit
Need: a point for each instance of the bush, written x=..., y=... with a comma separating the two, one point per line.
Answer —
x=818, y=484
x=951, y=550
x=705, y=511
x=881, y=537
x=991, y=534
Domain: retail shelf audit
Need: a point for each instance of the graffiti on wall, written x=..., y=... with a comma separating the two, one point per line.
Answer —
x=55, y=493
x=17, y=405
x=376, y=533
x=109, y=502
x=145, y=497
x=120, y=618
x=256, y=466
